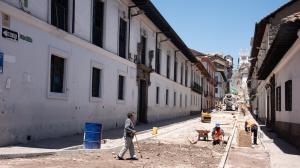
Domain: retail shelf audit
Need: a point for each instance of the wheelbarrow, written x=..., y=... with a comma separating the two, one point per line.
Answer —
x=202, y=133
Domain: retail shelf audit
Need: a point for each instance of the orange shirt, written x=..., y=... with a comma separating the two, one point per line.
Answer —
x=218, y=135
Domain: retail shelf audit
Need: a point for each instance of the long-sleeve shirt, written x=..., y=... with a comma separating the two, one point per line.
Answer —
x=129, y=128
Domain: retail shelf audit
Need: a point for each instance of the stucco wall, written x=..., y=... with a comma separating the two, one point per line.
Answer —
x=26, y=109
x=290, y=71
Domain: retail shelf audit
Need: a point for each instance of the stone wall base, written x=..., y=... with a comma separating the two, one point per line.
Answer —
x=289, y=131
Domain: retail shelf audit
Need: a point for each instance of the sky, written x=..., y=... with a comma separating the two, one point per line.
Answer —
x=216, y=26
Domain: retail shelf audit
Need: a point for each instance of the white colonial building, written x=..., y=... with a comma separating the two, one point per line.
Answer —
x=67, y=62
x=275, y=72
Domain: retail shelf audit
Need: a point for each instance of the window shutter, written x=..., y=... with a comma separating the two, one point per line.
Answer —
x=98, y=15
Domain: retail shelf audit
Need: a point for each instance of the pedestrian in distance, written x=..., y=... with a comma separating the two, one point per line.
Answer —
x=255, y=113
x=251, y=126
x=129, y=133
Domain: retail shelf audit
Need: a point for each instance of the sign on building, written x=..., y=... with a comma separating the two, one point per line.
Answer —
x=9, y=34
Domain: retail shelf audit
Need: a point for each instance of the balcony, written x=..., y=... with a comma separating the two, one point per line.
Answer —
x=197, y=88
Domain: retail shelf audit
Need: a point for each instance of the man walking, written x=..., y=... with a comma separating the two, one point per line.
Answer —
x=129, y=133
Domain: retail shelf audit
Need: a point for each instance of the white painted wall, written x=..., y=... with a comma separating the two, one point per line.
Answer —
x=26, y=108
x=288, y=69
x=262, y=99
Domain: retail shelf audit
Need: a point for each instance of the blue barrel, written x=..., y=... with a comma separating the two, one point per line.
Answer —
x=92, y=136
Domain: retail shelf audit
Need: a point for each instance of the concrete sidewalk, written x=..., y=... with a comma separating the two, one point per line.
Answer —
x=244, y=157
x=282, y=154
x=271, y=151
x=113, y=137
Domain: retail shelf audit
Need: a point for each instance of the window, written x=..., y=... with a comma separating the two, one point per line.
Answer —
x=25, y=3
x=57, y=74
x=157, y=95
x=192, y=77
x=175, y=68
x=180, y=100
x=185, y=101
x=98, y=20
x=216, y=90
x=121, y=87
x=122, y=38
x=59, y=14
x=278, y=98
x=96, y=82
x=181, y=73
x=167, y=97
x=288, y=95
x=186, y=75
x=174, y=99
x=143, y=50
x=157, y=61
x=168, y=66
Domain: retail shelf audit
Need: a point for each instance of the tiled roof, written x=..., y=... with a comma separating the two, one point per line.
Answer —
x=259, y=32
x=284, y=40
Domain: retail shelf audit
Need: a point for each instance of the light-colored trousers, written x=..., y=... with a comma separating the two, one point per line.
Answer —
x=128, y=144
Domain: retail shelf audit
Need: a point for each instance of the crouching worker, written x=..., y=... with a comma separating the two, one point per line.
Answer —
x=217, y=134
x=251, y=126
x=129, y=133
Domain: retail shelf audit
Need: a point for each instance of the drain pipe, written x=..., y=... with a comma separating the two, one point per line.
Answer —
x=129, y=28
x=129, y=22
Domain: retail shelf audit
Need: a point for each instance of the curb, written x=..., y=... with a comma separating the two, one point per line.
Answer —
x=225, y=155
x=26, y=155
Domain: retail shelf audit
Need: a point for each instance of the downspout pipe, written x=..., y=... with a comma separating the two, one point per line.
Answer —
x=129, y=27
x=156, y=43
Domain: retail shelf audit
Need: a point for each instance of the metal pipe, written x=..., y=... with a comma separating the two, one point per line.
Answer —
x=129, y=27
x=156, y=42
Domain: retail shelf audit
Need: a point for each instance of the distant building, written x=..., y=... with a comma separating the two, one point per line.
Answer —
x=221, y=76
x=229, y=59
x=275, y=72
x=208, y=80
x=243, y=71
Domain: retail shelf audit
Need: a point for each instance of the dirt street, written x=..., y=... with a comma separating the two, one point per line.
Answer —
x=168, y=149
x=155, y=154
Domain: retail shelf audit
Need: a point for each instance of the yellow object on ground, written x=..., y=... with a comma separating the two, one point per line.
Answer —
x=206, y=117
x=154, y=130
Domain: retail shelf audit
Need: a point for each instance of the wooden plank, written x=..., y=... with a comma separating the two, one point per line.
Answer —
x=244, y=138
